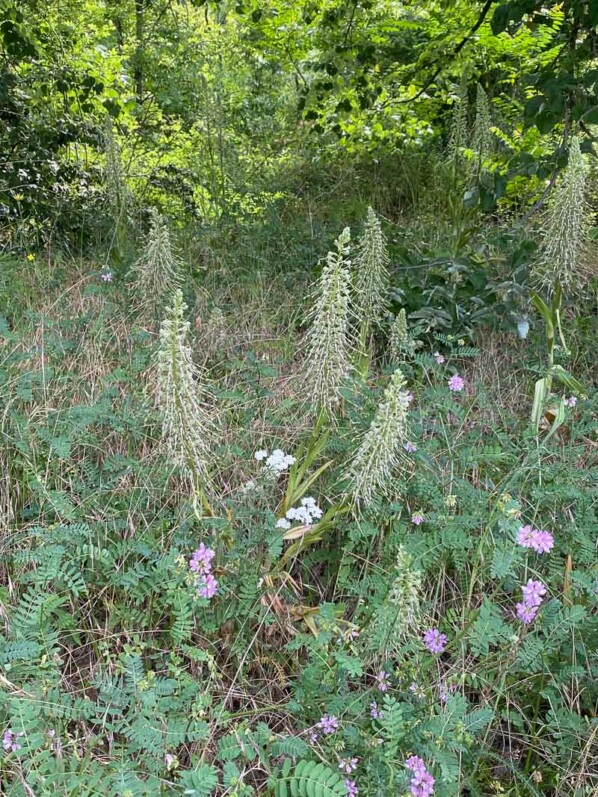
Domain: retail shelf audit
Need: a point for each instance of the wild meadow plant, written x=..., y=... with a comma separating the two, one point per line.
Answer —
x=375, y=467
x=370, y=284
x=186, y=426
x=327, y=361
x=561, y=269
x=157, y=271
x=409, y=611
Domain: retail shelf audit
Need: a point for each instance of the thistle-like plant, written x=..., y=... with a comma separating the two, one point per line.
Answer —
x=157, y=269
x=186, y=428
x=327, y=360
x=559, y=267
x=371, y=272
x=398, y=617
x=375, y=463
x=400, y=342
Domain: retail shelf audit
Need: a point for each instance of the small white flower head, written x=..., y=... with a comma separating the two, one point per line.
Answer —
x=283, y=523
x=260, y=455
x=277, y=462
x=306, y=513
x=374, y=466
x=156, y=271
x=563, y=252
x=327, y=362
x=371, y=271
x=186, y=428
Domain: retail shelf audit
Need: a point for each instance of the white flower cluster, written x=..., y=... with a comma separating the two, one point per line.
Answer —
x=305, y=513
x=277, y=462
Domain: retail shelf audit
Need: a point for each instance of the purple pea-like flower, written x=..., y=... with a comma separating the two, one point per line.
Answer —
x=347, y=765
x=107, y=276
x=456, y=383
x=434, y=640
x=533, y=592
x=382, y=682
x=526, y=613
x=439, y=358
x=543, y=541
x=417, y=518
x=328, y=724
x=410, y=447
x=375, y=712
x=352, y=789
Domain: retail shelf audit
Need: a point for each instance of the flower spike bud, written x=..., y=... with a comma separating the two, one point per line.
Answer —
x=186, y=428
x=373, y=467
x=566, y=230
x=327, y=360
x=157, y=269
x=371, y=271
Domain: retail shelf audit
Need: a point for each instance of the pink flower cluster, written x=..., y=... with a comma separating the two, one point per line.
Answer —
x=434, y=640
x=9, y=741
x=382, y=681
x=456, y=383
x=533, y=594
x=328, y=724
x=201, y=564
x=422, y=783
x=540, y=541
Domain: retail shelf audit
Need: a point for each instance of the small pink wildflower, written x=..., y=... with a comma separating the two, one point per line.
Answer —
x=544, y=541
x=328, y=724
x=352, y=789
x=107, y=276
x=347, y=765
x=417, y=519
x=382, y=682
x=375, y=712
x=444, y=691
x=533, y=592
x=417, y=690
x=526, y=613
x=570, y=402
x=410, y=448
x=434, y=640
x=456, y=383
x=439, y=358
x=539, y=540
